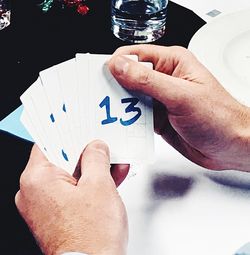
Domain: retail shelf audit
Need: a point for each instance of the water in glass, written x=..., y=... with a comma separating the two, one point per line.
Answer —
x=139, y=21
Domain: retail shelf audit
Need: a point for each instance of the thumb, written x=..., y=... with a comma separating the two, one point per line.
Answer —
x=95, y=162
x=135, y=76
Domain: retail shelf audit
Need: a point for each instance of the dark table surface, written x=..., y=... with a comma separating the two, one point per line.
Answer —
x=33, y=42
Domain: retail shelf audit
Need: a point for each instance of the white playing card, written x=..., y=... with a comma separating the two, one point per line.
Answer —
x=78, y=101
x=85, y=94
x=82, y=67
x=28, y=123
x=41, y=108
x=58, y=107
x=33, y=116
x=68, y=83
x=121, y=118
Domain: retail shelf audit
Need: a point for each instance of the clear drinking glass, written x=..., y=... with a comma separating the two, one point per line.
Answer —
x=139, y=21
x=4, y=13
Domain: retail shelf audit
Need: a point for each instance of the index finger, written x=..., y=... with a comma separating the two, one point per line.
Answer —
x=165, y=59
x=39, y=170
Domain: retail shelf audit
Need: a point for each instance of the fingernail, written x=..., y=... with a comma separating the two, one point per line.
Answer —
x=121, y=65
x=101, y=147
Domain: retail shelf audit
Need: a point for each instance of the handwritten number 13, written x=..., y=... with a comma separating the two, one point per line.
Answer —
x=130, y=108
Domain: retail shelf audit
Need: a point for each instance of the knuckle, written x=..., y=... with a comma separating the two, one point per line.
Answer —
x=95, y=157
x=100, y=148
x=23, y=179
x=98, y=181
x=145, y=77
x=17, y=199
x=20, y=203
x=181, y=51
x=28, y=181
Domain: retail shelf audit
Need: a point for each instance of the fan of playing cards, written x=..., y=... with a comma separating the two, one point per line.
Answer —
x=79, y=100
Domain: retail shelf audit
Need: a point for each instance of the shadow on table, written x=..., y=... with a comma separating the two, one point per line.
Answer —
x=169, y=186
x=231, y=179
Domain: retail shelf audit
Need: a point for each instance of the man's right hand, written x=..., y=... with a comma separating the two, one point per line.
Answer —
x=193, y=112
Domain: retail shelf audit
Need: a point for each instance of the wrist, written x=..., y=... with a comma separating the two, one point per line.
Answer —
x=239, y=158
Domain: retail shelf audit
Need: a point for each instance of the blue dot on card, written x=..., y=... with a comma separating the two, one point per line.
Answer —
x=65, y=155
x=52, y=118
x=64, y=108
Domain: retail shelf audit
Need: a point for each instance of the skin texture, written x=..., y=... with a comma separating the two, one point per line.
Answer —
x=65, y=214
x=193, y=112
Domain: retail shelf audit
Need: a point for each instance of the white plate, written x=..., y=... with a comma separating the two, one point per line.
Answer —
x=223, y=46
x=208, y=10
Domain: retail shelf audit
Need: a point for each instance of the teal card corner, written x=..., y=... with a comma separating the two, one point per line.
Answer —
x=13, y=125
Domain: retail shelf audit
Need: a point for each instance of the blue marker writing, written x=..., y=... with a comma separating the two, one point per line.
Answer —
x=106, y=102
x=64, y=108
x=131, y=108
x=65, y=155
x=52, y=118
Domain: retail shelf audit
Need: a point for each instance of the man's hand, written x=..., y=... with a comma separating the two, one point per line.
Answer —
x=69, y=215
x=193, y=112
